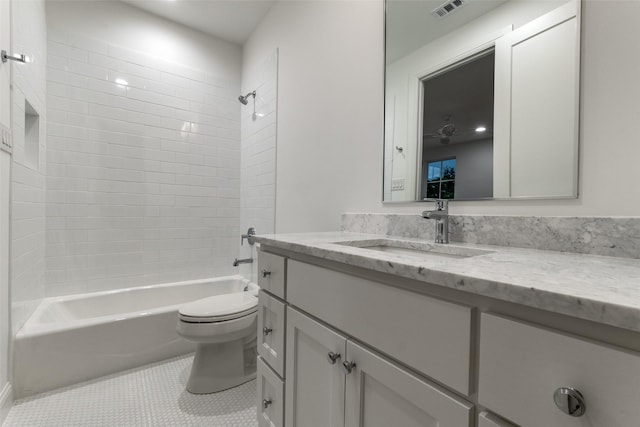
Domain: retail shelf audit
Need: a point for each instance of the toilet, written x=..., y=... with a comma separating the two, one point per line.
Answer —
x=224, y=328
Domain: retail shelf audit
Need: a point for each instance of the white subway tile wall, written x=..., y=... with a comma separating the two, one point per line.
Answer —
x=143, y=169
x=28, y=179
x=258, y=156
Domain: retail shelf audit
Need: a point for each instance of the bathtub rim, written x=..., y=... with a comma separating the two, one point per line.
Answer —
x=33, y=328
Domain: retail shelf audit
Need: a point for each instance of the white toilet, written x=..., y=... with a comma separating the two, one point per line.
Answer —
x=224, y=329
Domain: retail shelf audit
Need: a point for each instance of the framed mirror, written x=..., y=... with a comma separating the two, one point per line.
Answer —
x=481, y=99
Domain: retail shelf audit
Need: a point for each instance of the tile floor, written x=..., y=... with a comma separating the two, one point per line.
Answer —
x=149, y=396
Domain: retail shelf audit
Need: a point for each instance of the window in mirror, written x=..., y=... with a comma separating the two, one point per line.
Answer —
x=440, y=179
x=458, y=125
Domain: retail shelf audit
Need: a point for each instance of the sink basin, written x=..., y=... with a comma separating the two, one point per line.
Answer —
x=413, y=249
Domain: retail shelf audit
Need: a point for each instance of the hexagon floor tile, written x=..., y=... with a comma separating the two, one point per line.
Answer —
x=149, y=396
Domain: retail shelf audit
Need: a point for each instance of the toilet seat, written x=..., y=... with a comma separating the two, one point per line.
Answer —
x=219, y=308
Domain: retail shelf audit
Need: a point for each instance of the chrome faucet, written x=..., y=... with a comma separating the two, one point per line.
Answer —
x=441, y=217
x=237, y=262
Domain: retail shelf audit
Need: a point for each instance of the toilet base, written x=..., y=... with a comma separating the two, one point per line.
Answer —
x=221, y=366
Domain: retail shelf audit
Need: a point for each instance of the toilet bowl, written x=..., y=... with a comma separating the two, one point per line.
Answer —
x=224, y=330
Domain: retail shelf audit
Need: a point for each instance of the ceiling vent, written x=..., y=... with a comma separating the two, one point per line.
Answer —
x=448, y=8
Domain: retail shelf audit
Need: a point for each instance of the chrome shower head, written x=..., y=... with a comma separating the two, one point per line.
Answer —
x=245, y=99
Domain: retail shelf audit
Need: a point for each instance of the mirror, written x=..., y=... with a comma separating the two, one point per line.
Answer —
x=481, y=99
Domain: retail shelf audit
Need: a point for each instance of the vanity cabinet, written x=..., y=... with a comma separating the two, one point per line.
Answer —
x=368, y=349
x=332, y=381
x=430, y=335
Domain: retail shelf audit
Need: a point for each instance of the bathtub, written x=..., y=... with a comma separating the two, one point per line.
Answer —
x=80, y=337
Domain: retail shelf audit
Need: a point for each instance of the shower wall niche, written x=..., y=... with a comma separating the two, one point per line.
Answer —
x=31, y=136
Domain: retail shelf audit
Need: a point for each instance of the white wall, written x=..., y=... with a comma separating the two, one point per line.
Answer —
x=330, y=114
x=143, y=182
x=329, y=108
x=28, y=29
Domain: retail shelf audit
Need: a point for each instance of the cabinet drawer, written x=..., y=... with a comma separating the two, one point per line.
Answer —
x=485, y=419
x=430, y=335
x=271, y=331
x=521, y=366
x=271, y=271
x=270, y=405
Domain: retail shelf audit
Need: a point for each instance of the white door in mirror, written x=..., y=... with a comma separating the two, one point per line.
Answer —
x=535, y=143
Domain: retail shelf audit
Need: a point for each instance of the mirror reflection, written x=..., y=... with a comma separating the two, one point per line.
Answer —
x=481, y=99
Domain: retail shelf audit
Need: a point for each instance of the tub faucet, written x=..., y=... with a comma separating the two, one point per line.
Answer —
x=237, y=262
x=441, y=217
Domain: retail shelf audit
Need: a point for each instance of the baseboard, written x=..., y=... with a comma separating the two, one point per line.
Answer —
x=6, y=401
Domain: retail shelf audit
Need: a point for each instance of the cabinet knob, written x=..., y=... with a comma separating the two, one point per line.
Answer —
x=267, y=330
x=348, y=366
x=266, y=403
x=570, y=401
x=266, y=273
x=333, y=357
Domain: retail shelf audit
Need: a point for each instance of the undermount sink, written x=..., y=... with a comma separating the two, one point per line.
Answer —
x=413, y=249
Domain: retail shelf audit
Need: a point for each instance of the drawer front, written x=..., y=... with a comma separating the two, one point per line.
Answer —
x=271, y=331
x=521, y=366
x=270, y=405
x=431, y=336
x=271, y=273
x=485, y=419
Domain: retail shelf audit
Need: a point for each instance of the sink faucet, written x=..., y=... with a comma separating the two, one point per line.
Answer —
x=237, y=262
x=441, y=217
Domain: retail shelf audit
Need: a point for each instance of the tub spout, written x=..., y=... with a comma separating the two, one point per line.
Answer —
x=237, y=262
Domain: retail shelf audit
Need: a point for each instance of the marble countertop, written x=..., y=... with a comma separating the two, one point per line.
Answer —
x=597, y=288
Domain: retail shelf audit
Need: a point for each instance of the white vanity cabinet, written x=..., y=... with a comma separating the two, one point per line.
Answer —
x=367, y=349
x=334, y=382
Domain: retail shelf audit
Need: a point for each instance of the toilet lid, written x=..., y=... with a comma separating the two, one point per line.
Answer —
x=219, y=307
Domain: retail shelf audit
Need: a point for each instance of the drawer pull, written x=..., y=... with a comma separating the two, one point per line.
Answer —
x=348, y=366
x=266, y=273
x=266, y=403
x=333, y=357
x=570, y=401
x=266, y=330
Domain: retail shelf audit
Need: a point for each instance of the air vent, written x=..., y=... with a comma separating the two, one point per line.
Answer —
x=447, y=8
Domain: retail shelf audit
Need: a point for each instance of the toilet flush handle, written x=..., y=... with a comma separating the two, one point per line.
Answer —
x=266, y=403
x=267, y=330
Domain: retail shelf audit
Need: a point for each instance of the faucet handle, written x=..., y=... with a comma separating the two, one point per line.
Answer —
x=442, y=205
x=249, y=236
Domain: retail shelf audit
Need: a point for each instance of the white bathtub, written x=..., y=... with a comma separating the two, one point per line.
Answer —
x=79, y=337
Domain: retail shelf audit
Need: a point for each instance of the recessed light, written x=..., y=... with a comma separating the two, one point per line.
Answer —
x=481, y=129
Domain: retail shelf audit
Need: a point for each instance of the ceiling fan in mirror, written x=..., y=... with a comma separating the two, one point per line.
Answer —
x=449, y=130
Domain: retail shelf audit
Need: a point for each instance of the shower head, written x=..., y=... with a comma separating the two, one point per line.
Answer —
x=245, y=99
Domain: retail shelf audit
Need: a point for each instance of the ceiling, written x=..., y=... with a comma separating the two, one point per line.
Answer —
x=231, y=20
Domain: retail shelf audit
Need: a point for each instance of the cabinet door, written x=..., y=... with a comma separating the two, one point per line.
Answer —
x=314, y=385
x=381, y=394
